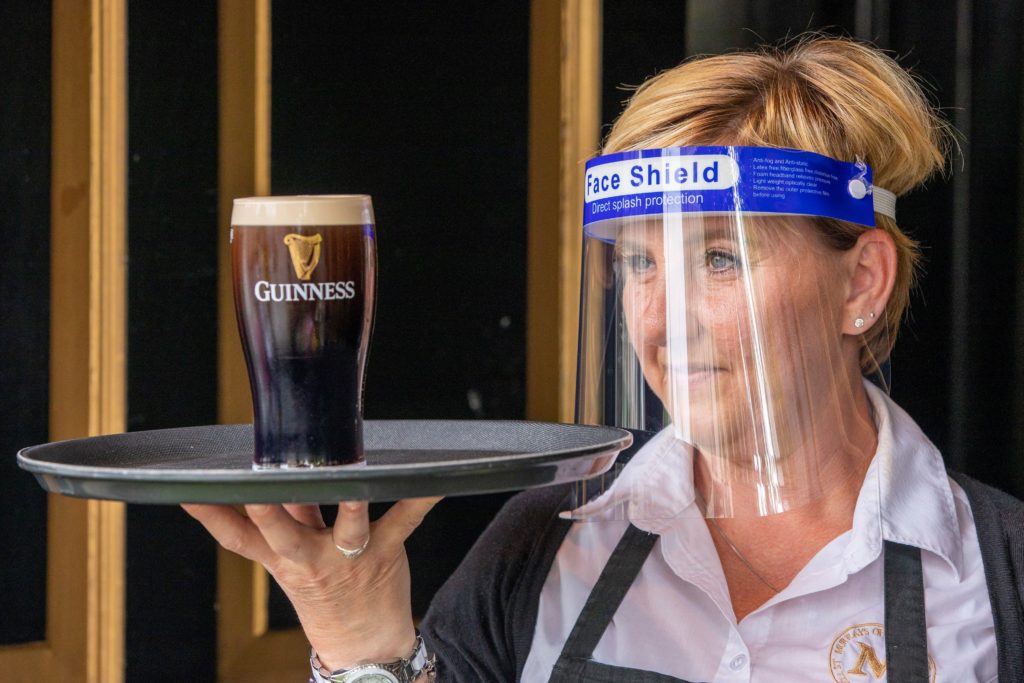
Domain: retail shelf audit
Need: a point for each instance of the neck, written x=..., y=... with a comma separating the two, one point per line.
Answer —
x=762, y=554
x=824, y=468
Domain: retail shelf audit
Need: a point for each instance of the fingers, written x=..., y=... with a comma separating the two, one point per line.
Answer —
x=290, y=531
x=232, y=530
x=352, y=526
x=306, y=514
x=285, y=536
x=401, y=520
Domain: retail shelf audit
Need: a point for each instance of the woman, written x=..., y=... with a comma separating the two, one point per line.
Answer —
x=787, y=521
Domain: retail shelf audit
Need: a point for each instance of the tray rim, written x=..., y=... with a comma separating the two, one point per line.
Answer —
x=622, y=439
x=330, y=485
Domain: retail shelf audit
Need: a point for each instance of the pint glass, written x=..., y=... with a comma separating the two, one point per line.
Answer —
x=304, y=271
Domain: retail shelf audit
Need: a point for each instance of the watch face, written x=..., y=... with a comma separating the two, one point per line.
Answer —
x=373, y=675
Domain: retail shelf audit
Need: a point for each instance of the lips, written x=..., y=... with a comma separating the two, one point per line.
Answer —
x=701, y=374
x=690, y=368
x=696, y=374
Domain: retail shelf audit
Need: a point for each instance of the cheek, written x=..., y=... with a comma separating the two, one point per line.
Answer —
x=719, y=324
x=630, y=314
x=644, y=317
x=643, y=314
x=801, y=332
x=728, y=319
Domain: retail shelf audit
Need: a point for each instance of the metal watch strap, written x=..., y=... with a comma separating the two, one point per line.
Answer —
x=403, y=670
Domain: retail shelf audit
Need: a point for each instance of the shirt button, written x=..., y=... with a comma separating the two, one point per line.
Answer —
x=738, y=662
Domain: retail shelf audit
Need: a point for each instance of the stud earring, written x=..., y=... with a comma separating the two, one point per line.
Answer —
x=858, y=323
x=871, y=315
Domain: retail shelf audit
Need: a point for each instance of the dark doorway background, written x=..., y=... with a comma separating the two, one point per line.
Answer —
x=24, y=311
x=170, y=562
x=427, y=111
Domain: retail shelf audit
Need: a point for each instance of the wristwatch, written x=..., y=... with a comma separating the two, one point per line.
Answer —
x=402, y=670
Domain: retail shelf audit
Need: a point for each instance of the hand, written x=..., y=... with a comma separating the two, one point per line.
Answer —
x=352, y=610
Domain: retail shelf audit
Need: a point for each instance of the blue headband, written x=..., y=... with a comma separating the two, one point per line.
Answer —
x=725, y=180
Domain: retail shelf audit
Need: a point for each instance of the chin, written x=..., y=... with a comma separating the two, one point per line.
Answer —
x=723, y=434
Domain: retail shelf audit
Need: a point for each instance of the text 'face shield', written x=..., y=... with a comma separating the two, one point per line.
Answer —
x=712, y=313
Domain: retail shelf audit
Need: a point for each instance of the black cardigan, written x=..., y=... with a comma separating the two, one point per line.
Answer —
x=481, y=622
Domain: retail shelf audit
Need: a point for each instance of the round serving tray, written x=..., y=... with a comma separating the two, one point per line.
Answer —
x=404, y=459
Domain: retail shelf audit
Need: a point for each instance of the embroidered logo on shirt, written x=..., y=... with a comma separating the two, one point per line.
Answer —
x=857, y=655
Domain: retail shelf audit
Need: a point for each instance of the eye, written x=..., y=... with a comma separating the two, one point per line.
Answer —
x=720, y=260
x=636, y=264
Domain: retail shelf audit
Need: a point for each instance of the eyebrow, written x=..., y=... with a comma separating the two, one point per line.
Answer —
x=702, y=234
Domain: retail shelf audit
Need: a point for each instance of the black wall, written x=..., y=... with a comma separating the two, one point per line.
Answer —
x=24, y=311
x=425, y=110
x=170, y=625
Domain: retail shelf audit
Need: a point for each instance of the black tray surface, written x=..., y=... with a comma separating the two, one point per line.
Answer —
x=404, y=459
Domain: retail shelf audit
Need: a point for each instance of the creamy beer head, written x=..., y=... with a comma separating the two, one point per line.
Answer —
x=329, y=209
x=304, y=271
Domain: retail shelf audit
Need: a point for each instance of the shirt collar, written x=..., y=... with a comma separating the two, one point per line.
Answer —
x=657, y=484
x=905, y=497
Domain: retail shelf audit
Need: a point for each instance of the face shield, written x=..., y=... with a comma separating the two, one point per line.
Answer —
x=714, y=324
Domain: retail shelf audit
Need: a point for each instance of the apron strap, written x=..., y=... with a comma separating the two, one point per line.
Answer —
x=906, y=638
x=616, y=578
x=575, y=664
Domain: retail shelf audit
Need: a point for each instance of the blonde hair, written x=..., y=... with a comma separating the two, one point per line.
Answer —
x=832, y=96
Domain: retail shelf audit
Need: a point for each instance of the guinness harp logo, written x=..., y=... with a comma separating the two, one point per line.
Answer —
x=305, y=253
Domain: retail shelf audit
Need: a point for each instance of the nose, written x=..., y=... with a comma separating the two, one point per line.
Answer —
x=664, y=307
x=682, y=305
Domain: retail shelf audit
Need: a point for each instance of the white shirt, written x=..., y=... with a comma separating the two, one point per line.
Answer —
x=827, y=625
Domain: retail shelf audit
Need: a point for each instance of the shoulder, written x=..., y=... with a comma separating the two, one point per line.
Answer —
x=989, y=501
x=999, y=523
x=481, y=621
x=521, y=534
x=999, y=520
x=529, y=511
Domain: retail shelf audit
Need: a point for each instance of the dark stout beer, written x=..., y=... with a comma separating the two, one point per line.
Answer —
x=304, y=278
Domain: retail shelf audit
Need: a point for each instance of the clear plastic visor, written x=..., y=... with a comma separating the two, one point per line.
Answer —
x=723, y=337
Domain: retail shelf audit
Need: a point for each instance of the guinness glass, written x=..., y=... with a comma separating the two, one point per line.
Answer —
x=304, y=272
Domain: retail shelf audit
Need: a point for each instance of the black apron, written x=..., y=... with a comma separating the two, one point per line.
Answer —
x=906, y=650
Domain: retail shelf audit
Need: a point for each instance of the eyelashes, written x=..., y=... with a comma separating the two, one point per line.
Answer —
x=720, y=260
x=716, y=261
x=635, y=264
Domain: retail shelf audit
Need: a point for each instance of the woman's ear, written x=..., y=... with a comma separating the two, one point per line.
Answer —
x=872, y=268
